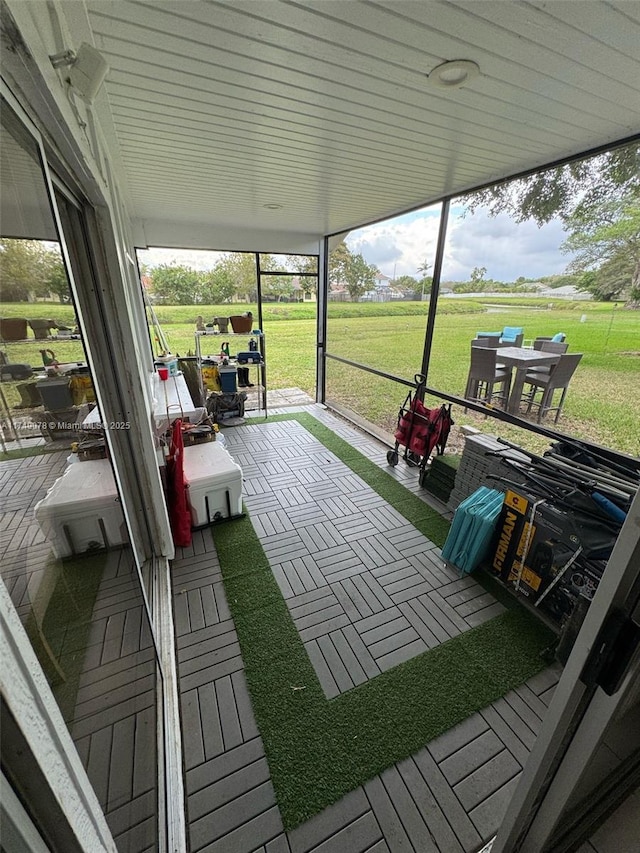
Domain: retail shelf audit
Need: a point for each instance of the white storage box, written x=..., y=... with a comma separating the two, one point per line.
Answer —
x=214, y=483
x=82, y=510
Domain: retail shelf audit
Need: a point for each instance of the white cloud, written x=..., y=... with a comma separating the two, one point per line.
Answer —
x=507, y=249
x=399, y=246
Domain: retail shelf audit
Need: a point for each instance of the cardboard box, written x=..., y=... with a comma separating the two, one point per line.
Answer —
x=510, y=531
x=170, y=362
x=535, y=545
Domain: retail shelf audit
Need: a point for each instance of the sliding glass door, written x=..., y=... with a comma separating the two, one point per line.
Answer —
x=68, y=564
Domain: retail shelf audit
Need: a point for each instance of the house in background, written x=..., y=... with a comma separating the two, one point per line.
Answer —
x=567, y=291
x=383, y=291
x=299, y=294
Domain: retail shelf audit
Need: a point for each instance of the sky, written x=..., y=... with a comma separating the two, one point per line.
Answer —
x=399, y=246
x=196, y=259
x=508, y=250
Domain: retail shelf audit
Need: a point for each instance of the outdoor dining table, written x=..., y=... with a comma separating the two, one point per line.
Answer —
x=522, y=360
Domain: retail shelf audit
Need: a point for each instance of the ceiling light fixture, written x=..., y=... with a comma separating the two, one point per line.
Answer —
x=273, y=206
x=454, y=73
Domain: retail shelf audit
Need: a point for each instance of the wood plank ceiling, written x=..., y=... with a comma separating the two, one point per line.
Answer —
x=223, y=108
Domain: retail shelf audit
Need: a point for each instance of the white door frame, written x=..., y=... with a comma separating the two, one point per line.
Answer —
x=136, y=470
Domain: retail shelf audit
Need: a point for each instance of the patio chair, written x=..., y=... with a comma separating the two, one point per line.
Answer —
x=513, y=335
x=491, y=343
x=558, y=338
x=547, y=345
x=544, y=345
x=496, y=335
x=484, y=374
x=557, y=379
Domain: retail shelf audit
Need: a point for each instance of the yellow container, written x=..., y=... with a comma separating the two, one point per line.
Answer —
x=211, y=377
x=82, y=389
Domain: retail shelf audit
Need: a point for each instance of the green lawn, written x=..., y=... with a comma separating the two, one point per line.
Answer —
x=603, y=403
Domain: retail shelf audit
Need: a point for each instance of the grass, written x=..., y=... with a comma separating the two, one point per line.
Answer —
x=603, y=404
x=319, y=750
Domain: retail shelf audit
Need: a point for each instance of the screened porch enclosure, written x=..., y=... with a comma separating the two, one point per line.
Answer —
x=312, y=677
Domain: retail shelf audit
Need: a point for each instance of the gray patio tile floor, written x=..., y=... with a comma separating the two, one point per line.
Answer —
x=366, y=591
x=113, y=718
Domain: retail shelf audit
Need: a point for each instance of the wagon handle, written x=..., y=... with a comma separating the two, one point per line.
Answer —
x=419, y=379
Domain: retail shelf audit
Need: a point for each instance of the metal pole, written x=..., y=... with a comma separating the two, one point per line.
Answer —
x=261, y=341
x=321, y=321
x=259, y=291
x=435, y=288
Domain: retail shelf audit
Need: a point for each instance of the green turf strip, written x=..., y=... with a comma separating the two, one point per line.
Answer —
x=319, y=750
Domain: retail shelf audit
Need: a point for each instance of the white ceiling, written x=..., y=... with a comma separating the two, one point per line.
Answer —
x=221, y=108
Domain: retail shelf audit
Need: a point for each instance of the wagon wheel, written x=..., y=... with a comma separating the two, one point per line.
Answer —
x=412, y=459
x=392, y=457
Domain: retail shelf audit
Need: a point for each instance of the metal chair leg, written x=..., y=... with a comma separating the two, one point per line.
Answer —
x=547, y=398
x=561, y=404
x=531, y=396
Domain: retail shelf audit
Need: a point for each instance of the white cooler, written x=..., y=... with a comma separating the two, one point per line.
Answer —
x=82, y=510
x=214, y=483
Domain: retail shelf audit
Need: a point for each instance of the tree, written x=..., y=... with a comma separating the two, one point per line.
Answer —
x=338, y=262
x=240, y=269
x=352, y=271
x=426, y=281
x=31, y=267
x=178, y=285
x=597, y=200
x=606, y=239
x=305, y=264
x=610, y=281
x=277, y=286
x=563, y=190
x=360, y=276
x=218, y=285
x=57, y=281
x=477, y=275
x=561, y=280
